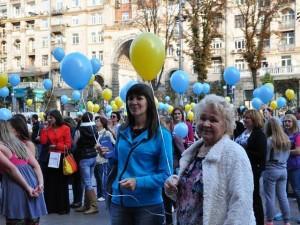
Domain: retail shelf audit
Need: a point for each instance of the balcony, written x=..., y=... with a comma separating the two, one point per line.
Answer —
x=287, y=25
x=33, y=85
x=277, y=71
x=58, y=28
x=215, y=70
x=57, y=11
x=218, y=52
x=286, y=47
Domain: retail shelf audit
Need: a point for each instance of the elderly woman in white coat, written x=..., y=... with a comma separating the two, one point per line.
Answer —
x=215, y=181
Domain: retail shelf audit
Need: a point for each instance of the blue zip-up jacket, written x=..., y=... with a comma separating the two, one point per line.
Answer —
x=149, y=161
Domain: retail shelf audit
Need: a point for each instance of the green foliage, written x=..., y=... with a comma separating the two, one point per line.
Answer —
x=267, y=78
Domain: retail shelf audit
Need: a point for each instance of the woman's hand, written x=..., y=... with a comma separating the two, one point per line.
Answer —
x=129, y=183
x=32, y=192
x=102, y=150
x=171, y=184
x=39, y=189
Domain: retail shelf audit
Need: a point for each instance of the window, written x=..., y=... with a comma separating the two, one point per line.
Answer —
x=96, y=2
x=45, y=60
x=75, y=20
x=18, y=62
x=239, y=21
x=93, y=37
x=240, y=2
x=125, y=16
x=286, y=61
x=98, y=55
x=264, y=3
x=16, y=26
x=75, y=3
x=125, y=1
x=45, y=42
x=217, y=44
x=170, y=50
x=288, y=16
x=96, y=18
x=59, y=5
x=17, y=10
x=3, y=47
x=44, y=23
x=239, y=44
x=288, y=38
x=75, y=38
x=17, y=44
x=266, y=43
x=240, y=64
x=264, y=63
x=100, y=37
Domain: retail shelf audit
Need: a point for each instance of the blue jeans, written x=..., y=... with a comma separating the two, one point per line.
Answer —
x=101, y=172
x=86, y=171
x=146, y=215
x=294, y=179
x=275, y=185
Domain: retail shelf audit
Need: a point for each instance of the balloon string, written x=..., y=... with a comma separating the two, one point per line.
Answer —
x=49, y=99
x=164, y=143
x=84, y=103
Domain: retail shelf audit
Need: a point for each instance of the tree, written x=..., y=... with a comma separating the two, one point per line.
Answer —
x=256, y=18
x=150, y=18
x=204, y=18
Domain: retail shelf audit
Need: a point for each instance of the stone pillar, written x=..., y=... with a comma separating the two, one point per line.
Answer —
x=115, y=79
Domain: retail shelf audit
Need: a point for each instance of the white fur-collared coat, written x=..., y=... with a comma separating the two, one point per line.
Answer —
x=228, y=183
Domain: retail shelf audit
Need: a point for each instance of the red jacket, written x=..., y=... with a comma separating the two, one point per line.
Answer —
x=60, y=136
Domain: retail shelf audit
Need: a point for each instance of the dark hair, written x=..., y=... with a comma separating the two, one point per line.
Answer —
x=18, y=122
x=118, y=115
x=69, y=121
x=152, y=117
x=35, y=116
x=104, y=122
x=181, y=111
x=58, y=117
x=87, y=117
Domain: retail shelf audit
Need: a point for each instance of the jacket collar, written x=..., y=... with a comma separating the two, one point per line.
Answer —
x=215, y=153
x=127, y=134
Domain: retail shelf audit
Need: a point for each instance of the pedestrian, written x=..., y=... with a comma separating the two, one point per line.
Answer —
x=17, y=206
x=215, y=183
x=85, y=141
x=275, y=174
x=57, y=138
x=254, y=141
x=143, y=161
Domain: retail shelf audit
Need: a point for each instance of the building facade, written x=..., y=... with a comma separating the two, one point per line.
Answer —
x=30, y=29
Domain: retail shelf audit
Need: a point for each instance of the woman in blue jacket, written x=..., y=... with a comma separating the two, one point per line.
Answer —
x=143, y=158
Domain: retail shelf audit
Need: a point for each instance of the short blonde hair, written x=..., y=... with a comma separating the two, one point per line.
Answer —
x=256, y=117
x=219, y=104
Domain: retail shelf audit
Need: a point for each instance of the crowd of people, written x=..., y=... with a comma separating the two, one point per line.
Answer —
x=144, y=170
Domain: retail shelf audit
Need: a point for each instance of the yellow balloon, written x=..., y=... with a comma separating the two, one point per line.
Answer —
x=29, y=102
x=89, y=103
x=90, y=107
x=114, y=107
x=190, y=116
x=96, y=108
x=187, y=107
x=290, y=94
x=193, y=105
x=3, y=80
x=112, y=103
x=170, y=109
x=147, y=55
x=273, y=105
x=92, y=80
x=119, y=102
x=106, y=94
x=42, y=115
x=227, y=98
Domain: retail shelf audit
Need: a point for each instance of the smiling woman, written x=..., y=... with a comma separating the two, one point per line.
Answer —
x=215, y=175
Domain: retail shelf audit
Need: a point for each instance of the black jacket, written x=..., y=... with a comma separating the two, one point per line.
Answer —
x=256, y=149
x=86, y=142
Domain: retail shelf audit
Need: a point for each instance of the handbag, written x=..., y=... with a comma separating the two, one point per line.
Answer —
x=69, y=164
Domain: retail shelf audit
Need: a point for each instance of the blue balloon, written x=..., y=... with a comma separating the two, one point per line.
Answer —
x=76, y=70
x=58, y=53
x=265, y=94
x=181, y=130
x=5, y=114
x=47, y=83
x=179, y=81
x=167, y=99
x=256, y=92
x=96, y=64
x=206, y=88
x=4, y=92
x=281, y=102
x=76, y=95
x=197, y=88
x=14, y=79
x=232, y=75
x=256, y=103
x=64, y=99
x=125, y=89
x=161, y=106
